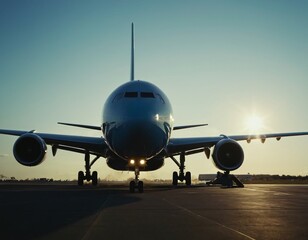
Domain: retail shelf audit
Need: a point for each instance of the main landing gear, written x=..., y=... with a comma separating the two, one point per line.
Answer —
x=226, y=180
x=181, y=176
x=136, y=184
x=87, y=174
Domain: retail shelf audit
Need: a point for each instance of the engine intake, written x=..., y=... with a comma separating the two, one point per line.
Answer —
x=29, y=149
x=228, y=155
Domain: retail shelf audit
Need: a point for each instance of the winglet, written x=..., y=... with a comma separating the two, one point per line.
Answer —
x=132, y=67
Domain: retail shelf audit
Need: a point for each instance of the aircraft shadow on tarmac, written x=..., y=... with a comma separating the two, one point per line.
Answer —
x=34, y=212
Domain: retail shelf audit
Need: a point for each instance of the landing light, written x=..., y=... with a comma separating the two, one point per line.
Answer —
x=142, y=162
x=132, y=161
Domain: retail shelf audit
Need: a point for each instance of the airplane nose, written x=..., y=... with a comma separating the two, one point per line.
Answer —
x=139, y=139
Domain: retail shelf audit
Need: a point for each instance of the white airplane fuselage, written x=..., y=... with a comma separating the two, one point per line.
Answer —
x=137, y=121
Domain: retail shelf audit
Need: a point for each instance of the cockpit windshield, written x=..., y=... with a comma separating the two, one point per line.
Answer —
x=131, y=94
x=149, y=95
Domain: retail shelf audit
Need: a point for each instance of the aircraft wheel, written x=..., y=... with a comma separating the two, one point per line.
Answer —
x=80, y=178
x=94, y=178
x=140, y=186
x=188, y=178
x=132, y=186
x=175, y=178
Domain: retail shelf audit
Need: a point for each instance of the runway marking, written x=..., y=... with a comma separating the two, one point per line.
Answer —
x=96, y=220
x=208, y=219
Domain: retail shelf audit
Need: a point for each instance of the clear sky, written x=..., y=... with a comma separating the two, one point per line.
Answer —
x=219, y=62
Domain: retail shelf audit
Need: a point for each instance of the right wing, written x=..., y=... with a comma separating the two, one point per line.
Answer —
x=94, y=145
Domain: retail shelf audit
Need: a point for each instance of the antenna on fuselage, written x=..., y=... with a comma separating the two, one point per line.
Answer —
x=132, y=68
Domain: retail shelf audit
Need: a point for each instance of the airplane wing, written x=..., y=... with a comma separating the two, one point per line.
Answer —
x=195, y=145
x=95, y=145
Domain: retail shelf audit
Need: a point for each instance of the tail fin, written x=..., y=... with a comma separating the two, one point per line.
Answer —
x=132, y=67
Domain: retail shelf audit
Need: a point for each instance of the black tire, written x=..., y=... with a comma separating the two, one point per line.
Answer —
x=175, y=178
x=188, y=178
x=132, y=186
x=140, y=186
x=94, y=178
x=80, y=178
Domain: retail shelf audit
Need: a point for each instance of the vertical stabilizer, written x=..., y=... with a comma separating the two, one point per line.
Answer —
x=132, y=67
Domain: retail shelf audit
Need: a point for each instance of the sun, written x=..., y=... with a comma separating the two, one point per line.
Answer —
x=254, y=124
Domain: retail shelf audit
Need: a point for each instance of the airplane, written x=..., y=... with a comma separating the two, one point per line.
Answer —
x=137, y=124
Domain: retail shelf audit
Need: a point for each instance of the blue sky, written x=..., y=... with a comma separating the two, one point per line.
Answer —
x=218, y=61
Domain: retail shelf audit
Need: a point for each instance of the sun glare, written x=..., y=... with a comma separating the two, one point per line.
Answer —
x=254, y=124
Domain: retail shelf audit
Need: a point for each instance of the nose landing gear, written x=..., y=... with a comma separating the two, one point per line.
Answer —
x=136, y=184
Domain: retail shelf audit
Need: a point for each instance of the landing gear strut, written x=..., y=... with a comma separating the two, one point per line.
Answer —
x=87, y=174
x=181, y=176
x=136, y=183
x=226, y=180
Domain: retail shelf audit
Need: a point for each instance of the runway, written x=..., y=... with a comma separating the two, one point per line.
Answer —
x=161, y=212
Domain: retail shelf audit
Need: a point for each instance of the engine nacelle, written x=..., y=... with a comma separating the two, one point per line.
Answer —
x=29, y=149
x=228, y=155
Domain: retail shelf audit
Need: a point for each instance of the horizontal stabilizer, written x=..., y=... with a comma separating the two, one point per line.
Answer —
x=81, y=126
x=188, y=126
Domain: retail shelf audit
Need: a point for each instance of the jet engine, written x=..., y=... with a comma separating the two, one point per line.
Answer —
x=228, y=155
x=29, y=149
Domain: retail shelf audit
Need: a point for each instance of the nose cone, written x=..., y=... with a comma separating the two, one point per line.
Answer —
x=137, y=120
x=138, y=139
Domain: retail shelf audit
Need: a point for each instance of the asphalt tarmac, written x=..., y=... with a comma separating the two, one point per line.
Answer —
x=161, y=212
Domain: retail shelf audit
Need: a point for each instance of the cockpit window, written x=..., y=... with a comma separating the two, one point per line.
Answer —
x=118, y=97
x=147, y=95
x=160, y=98
x=131, y=94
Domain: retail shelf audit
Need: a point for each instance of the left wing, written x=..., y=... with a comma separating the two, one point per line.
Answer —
x=195, y=145
x=94, y=145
